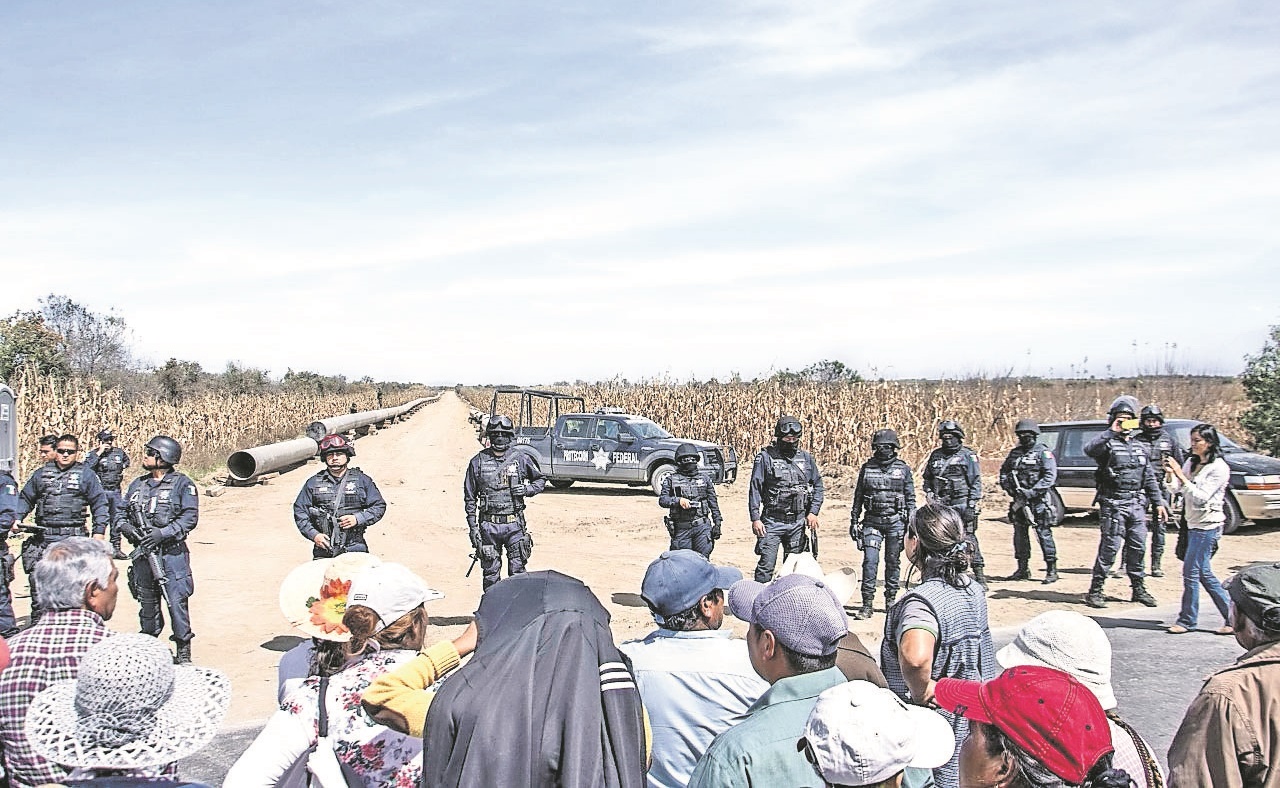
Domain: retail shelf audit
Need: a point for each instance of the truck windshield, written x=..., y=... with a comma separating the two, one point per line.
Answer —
x=643, y=428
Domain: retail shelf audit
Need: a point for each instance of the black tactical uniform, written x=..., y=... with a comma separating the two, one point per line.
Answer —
x=785, y=489
x=886, y=492
x=324, y=497
x=952, y=477
x=698, y=526
x=170, y=509
x=497, y=481
x=109, y=466
x=1027, y=475
x=1126, y=483
x=58, y=496
x=1159, y=445
x=8, y=508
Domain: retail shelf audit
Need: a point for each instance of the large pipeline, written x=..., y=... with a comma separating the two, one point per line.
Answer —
x=354, y=421
x=248, y=463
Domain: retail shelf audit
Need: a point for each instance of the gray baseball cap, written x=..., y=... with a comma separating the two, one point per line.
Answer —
x=1256, y=592
x=802, y=612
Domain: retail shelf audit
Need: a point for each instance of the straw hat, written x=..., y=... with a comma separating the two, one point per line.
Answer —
x=130, y=708
x=313, y=597
x=843, y=581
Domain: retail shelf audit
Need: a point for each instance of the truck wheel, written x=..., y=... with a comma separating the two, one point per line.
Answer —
x=659, y=474
x=561, y=484
x=1057, y=510
x=1234, y=517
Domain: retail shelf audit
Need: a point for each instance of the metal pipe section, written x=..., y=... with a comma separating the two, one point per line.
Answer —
x=354, y=421
x=248, y=463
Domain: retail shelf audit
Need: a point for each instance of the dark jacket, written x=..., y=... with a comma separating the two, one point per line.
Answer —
x=546, y=699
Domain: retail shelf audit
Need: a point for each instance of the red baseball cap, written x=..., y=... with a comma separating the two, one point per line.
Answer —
x=1046, y=712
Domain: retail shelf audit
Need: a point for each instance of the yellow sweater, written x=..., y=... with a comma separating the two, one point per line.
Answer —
x=399, y=699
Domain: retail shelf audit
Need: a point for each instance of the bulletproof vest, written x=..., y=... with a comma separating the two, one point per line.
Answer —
x=694, y=489
x=885, y=490
x=950, y=483
x=1126, y=462
x=61, y=499
x=496, y=477
x=1158, y=447
x=161, y=504
x=324, y=492
x=964, y=647
x=1028, y=465
x=786, y=486
x=110, y=468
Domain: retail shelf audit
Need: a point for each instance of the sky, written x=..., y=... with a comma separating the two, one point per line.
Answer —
x=530, y=192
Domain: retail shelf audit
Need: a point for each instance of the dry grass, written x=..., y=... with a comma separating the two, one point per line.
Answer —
x=209, y=426
x=840, y=418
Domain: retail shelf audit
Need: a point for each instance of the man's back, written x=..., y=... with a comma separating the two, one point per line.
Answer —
x=694, y=685
x=48, y=652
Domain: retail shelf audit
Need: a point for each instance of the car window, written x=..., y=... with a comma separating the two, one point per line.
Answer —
x=1072, y=449
x=644, y=428
x=576, y=428
x=1050, y=440
x=608, y=429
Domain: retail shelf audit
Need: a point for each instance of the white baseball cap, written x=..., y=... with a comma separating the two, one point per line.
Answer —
x=861, y=734
x=1069, y=642
x=390, y=590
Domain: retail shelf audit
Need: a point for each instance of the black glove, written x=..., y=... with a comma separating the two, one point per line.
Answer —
x=715, y=532
x=474, y=534
x=855, y=533
x=151, y=540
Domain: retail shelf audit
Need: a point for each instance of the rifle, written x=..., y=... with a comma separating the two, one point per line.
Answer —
x=475, y=556
x=327, y=522
x=1021, y=511
x=135, y=528
x=814, y=543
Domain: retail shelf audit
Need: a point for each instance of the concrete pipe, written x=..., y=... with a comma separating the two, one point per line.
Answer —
x=248, y=463
x=354, y=421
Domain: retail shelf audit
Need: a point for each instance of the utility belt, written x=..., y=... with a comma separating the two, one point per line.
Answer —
x=676, y=520
x=879, y=521
x=500, y=519
x=1124, y=495
x=785, y=515
x=62, y=531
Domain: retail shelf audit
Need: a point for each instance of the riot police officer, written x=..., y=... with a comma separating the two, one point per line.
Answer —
x=497, y=482
x=952, y=477
x=335, y=507
x=1027, y=475
x=1126, y=481
x=694, y=520
x=784, y=497
x=886, y=493
x=168, y=504
x=8, y=509
x=109, y=462
x=58, y=493
x=1159, y=445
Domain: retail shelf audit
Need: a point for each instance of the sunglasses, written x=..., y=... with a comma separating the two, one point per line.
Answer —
x=152, y=453
x=66, y=452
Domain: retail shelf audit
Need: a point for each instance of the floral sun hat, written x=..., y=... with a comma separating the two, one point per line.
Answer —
x=313, y=597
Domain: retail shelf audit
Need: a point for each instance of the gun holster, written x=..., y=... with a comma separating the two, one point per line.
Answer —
x=671, y=527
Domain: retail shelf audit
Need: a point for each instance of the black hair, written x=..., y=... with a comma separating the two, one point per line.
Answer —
x=1210, y=435
x=68, y=437
x=943, y=550
x=48, y=440
x=687, y=620
x=1033, y=774
x=803, y=663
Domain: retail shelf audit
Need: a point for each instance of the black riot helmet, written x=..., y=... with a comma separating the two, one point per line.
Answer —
x=950, y=427
x=787, y=426
x=498, y=424
x=106, y=436
x=686, y=451
x=1026, y=425
x=1123, y=404
x=1153, y=411
x=335, y=443
x=885, y=437
x=166, y=448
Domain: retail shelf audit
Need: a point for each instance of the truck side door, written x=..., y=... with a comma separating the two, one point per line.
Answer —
x=621, y=448
x=575, y=452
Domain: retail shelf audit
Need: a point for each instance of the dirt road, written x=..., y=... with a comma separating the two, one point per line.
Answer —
x=246, y=543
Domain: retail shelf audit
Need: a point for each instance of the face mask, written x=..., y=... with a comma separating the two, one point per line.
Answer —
x=1026, y=441
x=787, y=448
x=689, y=467
x=885, y=452
x=950, y=441
x=500, y=442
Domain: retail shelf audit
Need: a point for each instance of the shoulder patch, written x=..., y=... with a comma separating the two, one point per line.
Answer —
x=1046, y=454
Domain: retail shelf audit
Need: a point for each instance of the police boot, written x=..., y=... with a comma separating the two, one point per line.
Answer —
x=1156, y=571
x=1095, y=598
x=1024, y=570
x=888, y=601
x=865, y=612
x=183, y=657
x=1141, y=595
x=1050, y=573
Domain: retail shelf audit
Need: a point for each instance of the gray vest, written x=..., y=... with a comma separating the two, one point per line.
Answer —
x=693, y=489
x=787, y=493
x=1028, y=465
x=951, y=485
x=110, y=468
x=964, y=649
x=496, y=479
x=161, y=504
x=1126, y=464
x=885, y=491
x=324, y=493
x=61, y=499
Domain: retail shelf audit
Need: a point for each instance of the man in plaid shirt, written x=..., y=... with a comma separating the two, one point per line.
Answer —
x=78, y=589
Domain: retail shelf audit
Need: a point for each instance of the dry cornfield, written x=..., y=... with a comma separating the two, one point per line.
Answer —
x=209, y=426
x=839, y=419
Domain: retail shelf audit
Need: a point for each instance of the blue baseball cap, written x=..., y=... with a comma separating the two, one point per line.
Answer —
x=679, y=578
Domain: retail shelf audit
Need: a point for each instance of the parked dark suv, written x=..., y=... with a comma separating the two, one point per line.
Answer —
x=1255, y=478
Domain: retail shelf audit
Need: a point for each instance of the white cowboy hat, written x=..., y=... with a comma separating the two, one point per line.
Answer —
x=843, y=581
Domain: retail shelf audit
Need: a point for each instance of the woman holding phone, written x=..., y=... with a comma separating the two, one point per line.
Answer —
x=1203, y=481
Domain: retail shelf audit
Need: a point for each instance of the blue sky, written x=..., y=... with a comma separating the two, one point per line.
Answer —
x=529, y=192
